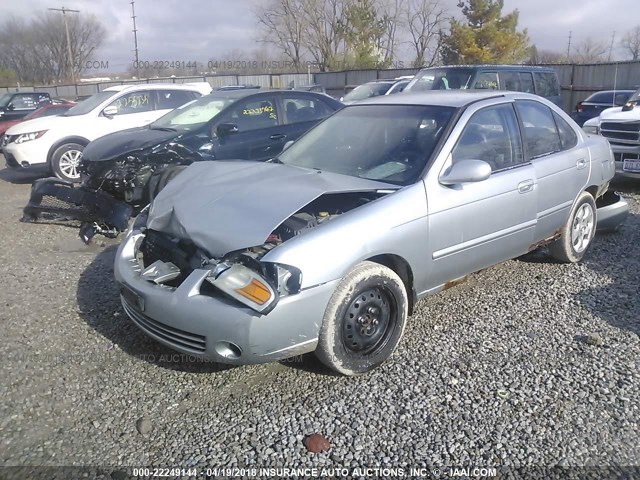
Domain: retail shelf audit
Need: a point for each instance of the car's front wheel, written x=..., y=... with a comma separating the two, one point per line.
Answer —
x=364, y=320
x=577, y=233
x=65, y=161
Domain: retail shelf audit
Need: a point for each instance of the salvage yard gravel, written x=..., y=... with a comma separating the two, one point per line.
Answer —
x=529, y=363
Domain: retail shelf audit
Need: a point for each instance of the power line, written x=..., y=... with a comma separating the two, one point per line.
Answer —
x=135, y=38
x=66, y=28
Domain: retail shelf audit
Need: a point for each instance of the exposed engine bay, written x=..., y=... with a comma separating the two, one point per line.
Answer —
x=111, y=190
x=157, y=249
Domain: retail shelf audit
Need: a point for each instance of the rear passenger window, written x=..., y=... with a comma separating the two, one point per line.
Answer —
x=526, y=82
x=546, y=84
x=540, y=132
x=302, y=109
x=170, y=99
x=510, y=81
x=492, y=135
x=568, y=137
x=487, y=80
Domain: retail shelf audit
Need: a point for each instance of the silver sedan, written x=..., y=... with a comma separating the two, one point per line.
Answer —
x=328, y=247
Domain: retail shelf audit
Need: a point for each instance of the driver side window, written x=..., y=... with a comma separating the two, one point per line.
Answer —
x=491, y=135
x=254, y=115
x=133, y=102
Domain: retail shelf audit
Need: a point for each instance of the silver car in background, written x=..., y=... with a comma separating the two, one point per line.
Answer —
x=328, y=247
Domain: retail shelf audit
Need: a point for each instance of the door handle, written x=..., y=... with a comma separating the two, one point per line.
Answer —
x=580, y=164
x=525, y=186
x=278, y=136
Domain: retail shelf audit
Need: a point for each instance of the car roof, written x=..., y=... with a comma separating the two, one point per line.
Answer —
x=444, y=98
x=491, y=66
x=150, y=86
x=247, y=92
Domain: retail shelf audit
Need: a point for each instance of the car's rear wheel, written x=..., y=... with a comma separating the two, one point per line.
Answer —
x=65, y=161
x=364, y=320
x=577, y=234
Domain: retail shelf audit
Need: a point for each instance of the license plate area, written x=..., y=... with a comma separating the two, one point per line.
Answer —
x=132, y=298
x=631, y=166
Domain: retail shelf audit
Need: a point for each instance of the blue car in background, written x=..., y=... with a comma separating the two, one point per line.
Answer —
x=597, y=102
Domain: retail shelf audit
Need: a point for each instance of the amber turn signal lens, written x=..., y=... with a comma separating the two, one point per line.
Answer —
x=256, y=292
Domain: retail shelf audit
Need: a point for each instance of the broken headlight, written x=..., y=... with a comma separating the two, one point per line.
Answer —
x=245, y=285
x=287, y=279
x=139, y=222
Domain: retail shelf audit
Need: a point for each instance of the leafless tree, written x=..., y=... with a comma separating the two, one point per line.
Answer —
x=324, y=41
x=631, y=42
x=546, y=57
x=393, y=15
x=37, y=51
x=425, y=19
x=284, y=24
x=589, y=51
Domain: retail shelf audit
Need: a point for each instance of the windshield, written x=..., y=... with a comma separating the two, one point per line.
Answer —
x=366, y=91
x=193, y=114
x=89, y=104
x=4, y=99
x=441, y=79
x=389, y=143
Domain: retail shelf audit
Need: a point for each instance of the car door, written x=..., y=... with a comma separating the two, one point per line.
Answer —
x=254, y=130
x=301, y=113
x=561, y=165
x=133, y=109
x=475, y=225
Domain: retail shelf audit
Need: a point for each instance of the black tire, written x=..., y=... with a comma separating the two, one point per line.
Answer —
x=65, y=161
x=577, y=234
x=364, y=320
x=161, y=178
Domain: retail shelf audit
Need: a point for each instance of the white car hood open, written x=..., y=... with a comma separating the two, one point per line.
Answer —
x=223, y=206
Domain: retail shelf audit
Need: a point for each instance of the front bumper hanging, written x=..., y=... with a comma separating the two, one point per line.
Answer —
x=59, y=200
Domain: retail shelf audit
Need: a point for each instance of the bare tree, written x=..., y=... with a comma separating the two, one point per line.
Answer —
x=392, y=14
x=324, y=41
x=546, y=57
x=589, y=51
x=37, y=51
x=631, y=42
x=424, y=21
x=284, y=24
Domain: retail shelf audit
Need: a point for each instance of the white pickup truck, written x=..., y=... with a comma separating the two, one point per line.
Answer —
x=621, y=126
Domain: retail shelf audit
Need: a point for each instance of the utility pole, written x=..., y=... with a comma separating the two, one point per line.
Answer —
x=613, y=37
x=66, y=28
x=135, y=38
x=569, y=47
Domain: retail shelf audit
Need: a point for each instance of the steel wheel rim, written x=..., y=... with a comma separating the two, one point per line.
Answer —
x=582, y=228
x=368, y=320
x=68, y=163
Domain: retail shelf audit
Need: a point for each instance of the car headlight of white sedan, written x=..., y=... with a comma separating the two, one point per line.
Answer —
x=27, y=137
x=591, y=129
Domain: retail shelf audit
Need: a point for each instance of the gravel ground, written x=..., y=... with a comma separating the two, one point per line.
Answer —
x=497, y=371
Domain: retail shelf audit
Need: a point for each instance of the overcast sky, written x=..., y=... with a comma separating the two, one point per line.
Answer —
x=185, y=30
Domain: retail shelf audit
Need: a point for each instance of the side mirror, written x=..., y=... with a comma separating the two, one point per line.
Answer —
x=466, y=171
x=110, y=111
x=341, y=99
x=11, y=106
x=225, y=129
x=287, y=145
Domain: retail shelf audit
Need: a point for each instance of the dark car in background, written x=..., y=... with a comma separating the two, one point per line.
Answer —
x=595, y=103
x=542, y=81
x=17, y=105
x=122, y=171
x=47, y=110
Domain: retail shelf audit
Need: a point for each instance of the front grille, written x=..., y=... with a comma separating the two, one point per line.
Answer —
x=180, y=339
x=623, y=132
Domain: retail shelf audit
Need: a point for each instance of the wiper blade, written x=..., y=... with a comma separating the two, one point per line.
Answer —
x=164, y=129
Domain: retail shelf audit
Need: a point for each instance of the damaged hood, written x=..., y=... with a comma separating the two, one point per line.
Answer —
x=124, y=142
x=223, y=206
